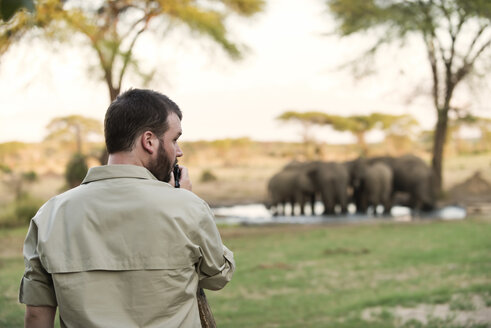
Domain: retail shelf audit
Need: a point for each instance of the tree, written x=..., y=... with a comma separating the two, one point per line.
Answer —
x=14, y=22
x=455, y=33
x=358, y=125
x=468, y=120
x=113, y=29
x=74, y=128
x=16, y=181
x=307, y=120
x=8, y=8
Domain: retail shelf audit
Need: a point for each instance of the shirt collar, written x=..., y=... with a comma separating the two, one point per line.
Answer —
x=115, y=171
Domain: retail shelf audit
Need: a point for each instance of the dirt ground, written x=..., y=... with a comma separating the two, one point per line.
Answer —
x=461, y=311
x=475, y=189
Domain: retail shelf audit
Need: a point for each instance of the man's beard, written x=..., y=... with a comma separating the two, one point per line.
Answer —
x=162, y=167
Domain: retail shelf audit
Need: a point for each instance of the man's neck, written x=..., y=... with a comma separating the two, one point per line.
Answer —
x=128, y=158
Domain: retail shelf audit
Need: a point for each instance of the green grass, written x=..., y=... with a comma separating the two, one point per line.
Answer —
x=298, y=279
x=325, y=276
x=11, y=268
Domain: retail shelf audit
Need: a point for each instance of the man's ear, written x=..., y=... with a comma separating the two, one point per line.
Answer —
x=148, y=142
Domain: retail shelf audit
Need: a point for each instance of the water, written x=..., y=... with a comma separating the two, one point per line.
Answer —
x=257, y=214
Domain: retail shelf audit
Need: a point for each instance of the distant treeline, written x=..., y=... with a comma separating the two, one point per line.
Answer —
x=52, y=156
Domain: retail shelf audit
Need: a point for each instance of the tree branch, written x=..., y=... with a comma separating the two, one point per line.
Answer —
x=474, y=41
x=127, y=55
x=434, y=69
x=480, y=51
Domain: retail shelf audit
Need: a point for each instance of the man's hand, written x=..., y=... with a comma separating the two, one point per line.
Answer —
x=39, y=317
x=185, y=181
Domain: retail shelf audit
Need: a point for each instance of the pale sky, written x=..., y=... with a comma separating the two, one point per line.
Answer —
x=291, y=65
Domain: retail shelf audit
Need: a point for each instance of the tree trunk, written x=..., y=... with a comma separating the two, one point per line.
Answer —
x=113, y=92
x=360, y=136
x=438, y=147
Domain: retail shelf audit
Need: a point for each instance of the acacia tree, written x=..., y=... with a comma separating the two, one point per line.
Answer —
x=113, y=29
x=455, y=33
x=14, y=21
x=306, y=120
x=468, y=120
x=358, y=125
x=73, y=129
x=8, y=8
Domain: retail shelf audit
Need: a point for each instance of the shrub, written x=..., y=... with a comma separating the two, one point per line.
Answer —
x=19, y=212
x=76, y=170
x=26, y=208
x=207, y=176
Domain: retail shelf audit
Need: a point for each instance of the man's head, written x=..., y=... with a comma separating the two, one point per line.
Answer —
x=147, y=124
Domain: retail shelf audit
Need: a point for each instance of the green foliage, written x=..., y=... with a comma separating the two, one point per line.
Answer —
x=76, y=170
x=454, y=33
x=40, y=21
x=359, y=125
x=8, y=8
x=207, y=176
x=353, y=123
x=30, y=176
x=11, y=148
x=5, y=168
x=114, y=28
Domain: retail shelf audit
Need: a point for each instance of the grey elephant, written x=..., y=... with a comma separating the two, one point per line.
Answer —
x=372, y=185
x=291, y=186
x=411, y=175
x=331, y=181
x=305, y=188
x=281, y=191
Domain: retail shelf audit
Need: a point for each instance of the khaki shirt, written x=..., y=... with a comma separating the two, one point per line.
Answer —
x=123, y=250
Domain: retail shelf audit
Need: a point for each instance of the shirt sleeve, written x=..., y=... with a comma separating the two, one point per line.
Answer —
x=216, y=265
x=36, y=287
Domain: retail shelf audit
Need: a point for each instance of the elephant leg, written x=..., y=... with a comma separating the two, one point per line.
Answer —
x=301, y=202
x=344, y=207
x=343, y=199
x=387, y=205
x=363, y=202
x=292, y=204
x=329, y=205
x=282, y=208
x=274, y=209
x=312, y=204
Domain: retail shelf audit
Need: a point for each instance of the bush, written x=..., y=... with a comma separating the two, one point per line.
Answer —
x=76, y=170
x=26, y=208
x=207, y=176
x=19, y=212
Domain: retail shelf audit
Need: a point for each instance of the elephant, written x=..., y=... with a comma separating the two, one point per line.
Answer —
x=331, y=181
x=411, y=175
x=305, y=189
x=372, y=185
x=281, y=191
x=291, y=186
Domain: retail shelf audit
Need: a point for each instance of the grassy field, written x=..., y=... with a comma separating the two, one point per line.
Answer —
x=366, y=275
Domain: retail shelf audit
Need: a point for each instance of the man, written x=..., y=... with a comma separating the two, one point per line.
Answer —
x=126, y=248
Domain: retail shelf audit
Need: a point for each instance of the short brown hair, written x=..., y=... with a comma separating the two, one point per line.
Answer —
x=134, y=112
